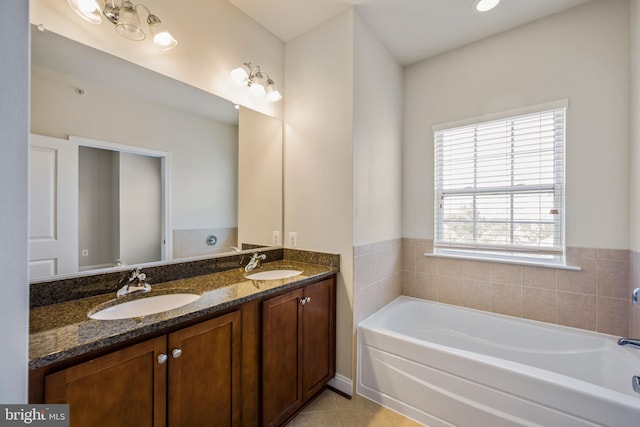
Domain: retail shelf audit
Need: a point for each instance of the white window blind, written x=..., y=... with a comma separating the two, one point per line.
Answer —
x=499, y=186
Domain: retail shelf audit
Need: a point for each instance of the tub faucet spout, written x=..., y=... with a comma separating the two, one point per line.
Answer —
x=629, y=341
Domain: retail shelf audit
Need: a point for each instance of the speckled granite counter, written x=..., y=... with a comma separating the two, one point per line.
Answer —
x=61, y=331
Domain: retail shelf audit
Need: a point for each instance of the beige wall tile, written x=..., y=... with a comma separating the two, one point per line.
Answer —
x=506, y=274
x=477, y=294
x=426, y=264
x=427, y=287
x=538, y=277
x=408, y=283
x=451, y=290
x=617, y=254
x=449, y=267
x=577, y=310
x=635, y=322
x=583, y=281
x=613, y=316
x=540, y=304
x=588, y=253
x=612, y=278
x=506, y=299
x=530, y=292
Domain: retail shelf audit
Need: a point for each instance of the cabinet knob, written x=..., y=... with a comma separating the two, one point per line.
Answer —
x=176, y=353
x=305, y=300
x=162, y=358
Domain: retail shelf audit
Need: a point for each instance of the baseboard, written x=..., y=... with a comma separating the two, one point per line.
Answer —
x=342, y=384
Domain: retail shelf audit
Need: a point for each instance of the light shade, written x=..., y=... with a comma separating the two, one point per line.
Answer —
x=240, y=76
x=89, y=10
x=273, y=95
x=161, y=37
x=485, y=5
x=129, y=23
x=256, y=88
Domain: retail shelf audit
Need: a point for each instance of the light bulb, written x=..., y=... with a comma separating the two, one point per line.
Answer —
x=161, y=37
x=485, y=5
x=273, y=95
x=256, y=88
x=239, y=76
x=89, y=10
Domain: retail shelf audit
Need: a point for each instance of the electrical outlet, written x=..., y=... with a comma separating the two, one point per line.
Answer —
x=85, y=252
x=276, y=238
x=293, y=239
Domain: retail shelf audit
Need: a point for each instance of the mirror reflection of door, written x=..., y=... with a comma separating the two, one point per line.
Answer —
x=120, y=208
x=53, y=206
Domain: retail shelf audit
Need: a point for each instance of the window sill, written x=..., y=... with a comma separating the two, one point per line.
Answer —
x=506, y=261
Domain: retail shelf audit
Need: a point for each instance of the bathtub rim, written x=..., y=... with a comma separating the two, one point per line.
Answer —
x=367, y=327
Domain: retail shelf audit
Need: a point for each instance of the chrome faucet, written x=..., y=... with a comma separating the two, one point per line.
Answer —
x=254, y=262
x=629, y=341
x=135, y=276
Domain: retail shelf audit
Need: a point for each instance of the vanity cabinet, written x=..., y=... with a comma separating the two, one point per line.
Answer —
x=298, y=349
x=191, y=377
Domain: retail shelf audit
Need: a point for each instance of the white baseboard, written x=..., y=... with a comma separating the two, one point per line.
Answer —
x=342, y=384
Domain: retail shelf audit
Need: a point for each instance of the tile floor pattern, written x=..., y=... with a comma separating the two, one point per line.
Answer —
x=332, y=410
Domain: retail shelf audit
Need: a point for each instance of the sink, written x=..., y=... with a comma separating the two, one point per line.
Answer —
x=144, y=306
x=272, y=274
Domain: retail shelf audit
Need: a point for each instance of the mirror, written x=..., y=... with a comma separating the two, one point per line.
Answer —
x=224, y=166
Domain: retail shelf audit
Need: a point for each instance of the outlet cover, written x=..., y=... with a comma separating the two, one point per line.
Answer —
x=293, y=239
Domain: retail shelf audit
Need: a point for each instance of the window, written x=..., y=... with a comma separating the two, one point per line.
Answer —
x=499, y=187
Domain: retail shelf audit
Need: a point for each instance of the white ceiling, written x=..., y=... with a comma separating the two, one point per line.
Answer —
x=412, y=30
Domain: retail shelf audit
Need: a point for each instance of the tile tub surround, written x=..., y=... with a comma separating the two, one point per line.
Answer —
x=192, y=242
x=596, y=298
x=634, y=282
x=61, y=331
x=377, y=278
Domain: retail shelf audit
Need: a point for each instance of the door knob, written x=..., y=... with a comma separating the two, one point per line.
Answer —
x=162, y=358
x=176, y=353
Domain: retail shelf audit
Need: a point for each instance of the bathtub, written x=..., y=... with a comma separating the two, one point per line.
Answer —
x=444, y=365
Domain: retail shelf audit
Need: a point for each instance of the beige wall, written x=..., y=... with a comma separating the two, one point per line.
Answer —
x=634, y=211
x=214, y=37
x=377, y=139
x=318, y=166
x=260, y=201
x=581, y=54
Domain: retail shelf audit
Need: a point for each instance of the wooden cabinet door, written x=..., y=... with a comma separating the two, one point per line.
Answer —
x=318, y=337
x=281, y=357
x=123, y=388
x=205, y=369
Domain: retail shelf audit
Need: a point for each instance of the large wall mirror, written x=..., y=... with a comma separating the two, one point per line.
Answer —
x=215, y=172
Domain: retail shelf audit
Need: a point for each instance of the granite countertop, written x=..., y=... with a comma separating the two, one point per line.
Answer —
x=61, y=331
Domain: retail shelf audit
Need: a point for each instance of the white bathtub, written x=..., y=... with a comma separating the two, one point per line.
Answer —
x=444, y=365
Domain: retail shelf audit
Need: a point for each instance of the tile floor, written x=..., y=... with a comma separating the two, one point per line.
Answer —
x=332, y=410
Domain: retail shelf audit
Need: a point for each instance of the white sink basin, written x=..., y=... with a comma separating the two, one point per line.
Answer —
x=144, y=306
x=272, y=274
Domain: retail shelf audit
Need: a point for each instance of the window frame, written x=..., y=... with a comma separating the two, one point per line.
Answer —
x=556, y=254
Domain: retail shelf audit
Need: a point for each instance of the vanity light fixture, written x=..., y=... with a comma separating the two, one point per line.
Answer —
x=485, y=5
x=258, y=82
x=126, y=19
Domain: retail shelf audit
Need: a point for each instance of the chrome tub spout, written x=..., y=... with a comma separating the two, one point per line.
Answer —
x=629, y=341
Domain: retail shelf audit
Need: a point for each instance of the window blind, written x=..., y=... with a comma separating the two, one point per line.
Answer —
x=499, y=186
